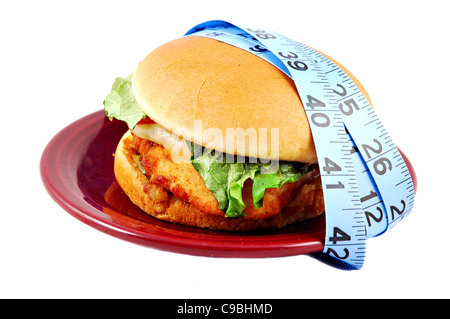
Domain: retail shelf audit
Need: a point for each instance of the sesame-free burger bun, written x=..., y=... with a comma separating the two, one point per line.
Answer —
x=197, y=78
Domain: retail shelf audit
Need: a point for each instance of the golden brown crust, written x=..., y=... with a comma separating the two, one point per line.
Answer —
x=156, y=201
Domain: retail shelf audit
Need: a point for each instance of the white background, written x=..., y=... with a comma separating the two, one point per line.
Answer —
x=58, y=60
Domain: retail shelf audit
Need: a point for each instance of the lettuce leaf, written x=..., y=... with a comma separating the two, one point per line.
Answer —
x=121, y=104
x=215, y=176
x=287, y=173
x=226, y=180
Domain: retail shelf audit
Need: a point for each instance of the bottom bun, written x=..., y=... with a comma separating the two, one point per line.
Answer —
x=156, y=201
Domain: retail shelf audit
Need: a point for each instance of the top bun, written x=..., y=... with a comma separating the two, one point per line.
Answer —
x=197, y=78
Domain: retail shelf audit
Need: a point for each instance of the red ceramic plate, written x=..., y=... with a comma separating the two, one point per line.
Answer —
x=77, y=171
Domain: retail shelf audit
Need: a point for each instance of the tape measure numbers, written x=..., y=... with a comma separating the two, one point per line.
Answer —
x=366, y=184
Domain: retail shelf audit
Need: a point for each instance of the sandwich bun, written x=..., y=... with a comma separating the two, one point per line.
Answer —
x=197, y=78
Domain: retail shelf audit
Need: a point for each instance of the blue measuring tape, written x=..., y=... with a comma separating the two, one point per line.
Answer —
x=366, y=184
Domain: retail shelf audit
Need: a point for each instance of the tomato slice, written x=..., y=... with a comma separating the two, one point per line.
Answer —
x=146, y=120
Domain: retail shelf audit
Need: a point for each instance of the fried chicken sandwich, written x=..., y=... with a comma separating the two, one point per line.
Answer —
x=218, y=139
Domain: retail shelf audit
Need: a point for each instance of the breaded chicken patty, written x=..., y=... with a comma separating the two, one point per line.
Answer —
x=171, y=185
